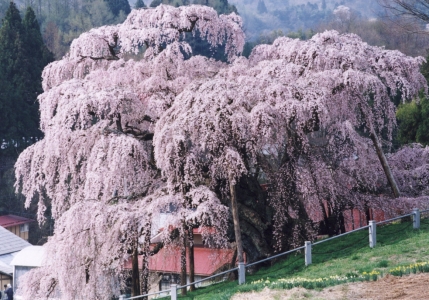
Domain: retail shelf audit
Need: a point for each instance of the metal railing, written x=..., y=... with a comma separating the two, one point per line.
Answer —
x=372, y=234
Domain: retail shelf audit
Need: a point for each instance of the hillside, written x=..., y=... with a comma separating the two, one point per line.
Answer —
x=294, y=15
x=400, y=250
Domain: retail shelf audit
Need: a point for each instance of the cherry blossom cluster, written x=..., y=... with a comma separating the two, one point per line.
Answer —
x=127, y=139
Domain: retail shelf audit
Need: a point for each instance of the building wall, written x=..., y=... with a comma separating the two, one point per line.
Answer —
x=17, y=231
x=4, y=279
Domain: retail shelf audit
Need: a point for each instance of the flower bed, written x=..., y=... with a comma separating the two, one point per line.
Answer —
x=422, y=267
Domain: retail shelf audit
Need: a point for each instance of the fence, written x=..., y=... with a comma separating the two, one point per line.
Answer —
x=308, y=253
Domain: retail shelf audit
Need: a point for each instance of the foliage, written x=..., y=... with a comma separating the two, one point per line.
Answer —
x=419, y=267
x=409, y=118
x=64, y=20
x=129, y=180
x=116, y=6
x=413, y=118
x=377, y=31
x=139, y=4
x=269, y=38
x=221, y=6
x=125, y=140
x=261, y=7
x=22, y=59
x=4, y=4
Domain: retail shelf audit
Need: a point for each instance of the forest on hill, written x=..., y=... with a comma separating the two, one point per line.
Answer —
x=61, y=21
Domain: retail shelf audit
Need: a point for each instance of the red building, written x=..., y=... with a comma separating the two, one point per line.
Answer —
x=165, y=265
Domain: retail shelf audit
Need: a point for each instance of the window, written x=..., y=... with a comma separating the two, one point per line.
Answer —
x=167, y=280
x=23, y=227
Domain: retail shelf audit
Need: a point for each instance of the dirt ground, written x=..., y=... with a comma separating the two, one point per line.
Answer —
x=389, y=287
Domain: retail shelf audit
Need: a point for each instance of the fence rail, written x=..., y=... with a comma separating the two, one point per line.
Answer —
x=372, y=236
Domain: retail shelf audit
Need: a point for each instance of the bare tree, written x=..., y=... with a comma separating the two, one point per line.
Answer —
x=415, y=8
x=409, y=16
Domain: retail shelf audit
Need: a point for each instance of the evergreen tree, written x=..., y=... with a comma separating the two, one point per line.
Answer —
x=22, y=59
x=116, y=6
x=12, y=61
x=221, y=6
x=155, y=3
x=37, y=53
x=175, y=3
x=4, y=4
x=139, y=4
x=261, y=7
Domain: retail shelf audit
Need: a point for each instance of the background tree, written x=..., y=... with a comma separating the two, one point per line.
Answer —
x=414, y=8
x=139, y=4
x=22, y=59
x=221, y=6
x=116, y=6
x=261, y=7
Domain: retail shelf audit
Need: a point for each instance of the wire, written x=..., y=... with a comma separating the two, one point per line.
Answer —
x=298, y=258
x=409, y=224
x=342, y=248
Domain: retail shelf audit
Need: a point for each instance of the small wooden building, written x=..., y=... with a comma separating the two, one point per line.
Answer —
x=16, y=224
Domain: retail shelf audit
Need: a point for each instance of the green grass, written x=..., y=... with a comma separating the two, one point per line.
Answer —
x=349, y=256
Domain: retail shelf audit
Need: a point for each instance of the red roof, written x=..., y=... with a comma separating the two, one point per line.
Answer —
x=12, y=220
x=207, y=260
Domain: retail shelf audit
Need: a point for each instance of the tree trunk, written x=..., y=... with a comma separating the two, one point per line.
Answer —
x=135, y=288
x=382, y=157
x=145, y=265
x=191, y=258
x=237, y=231
x=183, y=263
x=384, y=162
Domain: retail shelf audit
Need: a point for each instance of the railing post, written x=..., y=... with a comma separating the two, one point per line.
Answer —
x=416, y=218
x=372, y=234
x=241, y=273
x=173, y=292
x=308, y=259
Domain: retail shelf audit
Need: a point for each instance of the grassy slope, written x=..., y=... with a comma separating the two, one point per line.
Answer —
x=397, y=244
